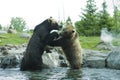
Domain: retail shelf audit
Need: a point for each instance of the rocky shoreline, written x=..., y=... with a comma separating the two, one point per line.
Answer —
x=11, y=55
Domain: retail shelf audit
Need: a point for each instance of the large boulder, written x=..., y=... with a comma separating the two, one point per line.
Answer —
x=9, y=61
x=25, y=35
x=104, y=46
x=11, y=56
x=12, y=30
x=113, y=59
x=3, y=32
x=94, y=59
x=55, y=58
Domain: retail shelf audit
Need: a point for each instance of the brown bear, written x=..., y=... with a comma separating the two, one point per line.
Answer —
x=32, y=59
x=69, y=41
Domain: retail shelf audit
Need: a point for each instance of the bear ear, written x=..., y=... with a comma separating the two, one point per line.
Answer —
x=52, y=21
x=50, y=16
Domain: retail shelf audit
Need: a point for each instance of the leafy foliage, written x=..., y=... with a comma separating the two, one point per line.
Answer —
x=105, y=21
x=17, y=23
x=0, y=26
x=92, y=21
x=116, y=20
x=88, y=24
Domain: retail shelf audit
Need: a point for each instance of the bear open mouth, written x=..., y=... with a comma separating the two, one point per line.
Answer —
x=54, y=31
x=59, y=34
x=55, y=39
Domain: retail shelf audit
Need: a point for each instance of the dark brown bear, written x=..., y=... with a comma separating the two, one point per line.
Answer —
x=70, y=44
x=32, y=59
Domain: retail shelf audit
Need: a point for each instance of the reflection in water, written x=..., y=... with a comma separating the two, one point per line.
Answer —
x=74, y=74
x=12, y=74
x=60, y=74
x=48, y=74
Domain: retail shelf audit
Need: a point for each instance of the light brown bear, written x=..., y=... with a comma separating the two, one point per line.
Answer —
x=69, y=41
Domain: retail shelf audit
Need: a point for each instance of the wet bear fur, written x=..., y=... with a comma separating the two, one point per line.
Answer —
x=32, y=59
x=69, y=41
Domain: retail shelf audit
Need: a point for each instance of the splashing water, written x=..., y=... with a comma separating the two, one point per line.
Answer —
x=106, y=36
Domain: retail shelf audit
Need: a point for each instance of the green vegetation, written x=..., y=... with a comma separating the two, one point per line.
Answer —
x=12, y=39
x=116, y=42
x=89, y=42
x=89, y=26
x=18, y=23
x=86, y=42
x=92, y=20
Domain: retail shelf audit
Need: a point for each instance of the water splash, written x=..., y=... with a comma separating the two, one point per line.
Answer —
x=106, y=36
x=51, y=59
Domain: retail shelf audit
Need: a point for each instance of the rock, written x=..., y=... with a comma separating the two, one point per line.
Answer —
x=10, y=46
x=2, y=48
x=3, y=32
x=12, y=30
x=25, y=35
x=10, y=58
x=55, y=58
x=5, y=52
x=94, y=59
x=104, y=46
x=9, y=61
x=95, y=62
x=113, y=59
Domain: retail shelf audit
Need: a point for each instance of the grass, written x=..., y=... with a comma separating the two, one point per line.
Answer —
x=89, y=42
x=86, y=42
x=12, y=39
x=116, y=42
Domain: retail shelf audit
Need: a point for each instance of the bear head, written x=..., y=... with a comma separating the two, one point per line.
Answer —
x=53, y=24
x=48, y=24
x=68, y=32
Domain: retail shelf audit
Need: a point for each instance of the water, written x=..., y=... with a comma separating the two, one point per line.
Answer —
x=106, y=36
x=59, y=73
